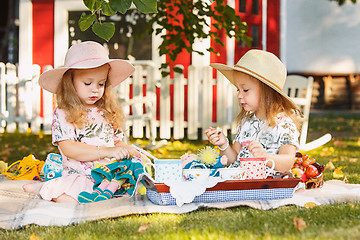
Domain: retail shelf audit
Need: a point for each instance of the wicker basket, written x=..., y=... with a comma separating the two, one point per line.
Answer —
x=315, y=182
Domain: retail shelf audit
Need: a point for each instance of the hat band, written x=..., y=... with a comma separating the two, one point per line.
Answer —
x=266, y=80
x=87, y=59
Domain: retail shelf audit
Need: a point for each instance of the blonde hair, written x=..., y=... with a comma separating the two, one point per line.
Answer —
x=274, y=104
x=76, y=111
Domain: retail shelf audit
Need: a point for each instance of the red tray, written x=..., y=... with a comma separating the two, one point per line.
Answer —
x=269, y=183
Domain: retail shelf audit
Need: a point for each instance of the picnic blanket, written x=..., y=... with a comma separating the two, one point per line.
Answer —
x=18, y=208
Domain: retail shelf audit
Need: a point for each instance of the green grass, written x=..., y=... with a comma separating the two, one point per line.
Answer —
x=335, y=221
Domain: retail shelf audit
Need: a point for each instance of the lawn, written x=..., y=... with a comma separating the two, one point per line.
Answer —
x=337, y=221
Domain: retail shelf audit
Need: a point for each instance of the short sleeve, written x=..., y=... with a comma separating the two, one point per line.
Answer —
x=288, y=133
x=61, y=129
x=118, y=135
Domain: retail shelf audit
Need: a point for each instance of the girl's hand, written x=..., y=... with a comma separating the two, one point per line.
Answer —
x=115, y=152
x=215, y=138
x=256, y=149
x=133, y=151
x=130, y=149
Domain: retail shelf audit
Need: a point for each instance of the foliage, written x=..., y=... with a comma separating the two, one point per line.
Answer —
x=341, y=2
x=184, y=21
x=187, y=21
x=106, y=30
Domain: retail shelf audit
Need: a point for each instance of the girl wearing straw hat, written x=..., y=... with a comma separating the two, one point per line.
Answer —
x=87, y=121
x=268, y=119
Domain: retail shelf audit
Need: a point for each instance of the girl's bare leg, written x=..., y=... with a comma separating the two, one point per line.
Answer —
x=33, y=188
x=64, y=198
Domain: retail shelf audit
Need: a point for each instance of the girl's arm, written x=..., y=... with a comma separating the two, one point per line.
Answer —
x=86, y=153
x=130, y=149
x=284, y=160
x=220, y=140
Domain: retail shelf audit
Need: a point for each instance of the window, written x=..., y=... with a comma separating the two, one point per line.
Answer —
x=255, y=35
x=130, y=40
x=242, y=6
x=255, y=7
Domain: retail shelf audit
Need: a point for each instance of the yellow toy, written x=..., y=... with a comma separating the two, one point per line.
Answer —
x=29, y=168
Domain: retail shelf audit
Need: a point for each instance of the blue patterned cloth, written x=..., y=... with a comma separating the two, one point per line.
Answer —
x=127, y=169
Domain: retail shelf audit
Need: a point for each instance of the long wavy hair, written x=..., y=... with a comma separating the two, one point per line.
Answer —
x=76, y=112
x=274, y=104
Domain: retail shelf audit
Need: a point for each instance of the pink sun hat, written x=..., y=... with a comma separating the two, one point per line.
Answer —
x=86, y=55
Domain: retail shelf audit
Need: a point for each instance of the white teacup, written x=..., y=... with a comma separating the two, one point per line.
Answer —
x=167, y=170
x=195, y=174
x=232, y=173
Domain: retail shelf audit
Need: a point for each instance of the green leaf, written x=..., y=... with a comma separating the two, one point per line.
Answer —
x=107, y=9
x=86, y=21
x=89, y=4
x=120, y=5
x=104, y=30
x=92, y=5
x=178, y=69
x=146, y=6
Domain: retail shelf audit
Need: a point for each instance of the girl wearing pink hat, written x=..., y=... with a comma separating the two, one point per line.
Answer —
x=87, y=121
x=268, y=119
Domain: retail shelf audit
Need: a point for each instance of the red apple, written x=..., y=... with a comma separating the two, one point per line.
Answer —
x=321, y=168
x=296, y=165
x=308, y=162
x=299, y=161
x=298, y=173
x=305, y=157
x=311, y=171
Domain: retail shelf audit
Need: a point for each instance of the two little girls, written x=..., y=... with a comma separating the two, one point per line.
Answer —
x=88, y=120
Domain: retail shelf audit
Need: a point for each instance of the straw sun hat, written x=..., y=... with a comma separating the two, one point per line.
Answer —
x=86, y=55
x=262, y=65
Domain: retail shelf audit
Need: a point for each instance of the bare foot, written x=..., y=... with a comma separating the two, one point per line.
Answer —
x=64, y=198
x=33, y=188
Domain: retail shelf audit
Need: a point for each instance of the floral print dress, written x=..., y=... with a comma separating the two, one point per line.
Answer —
x=76, y=176
x=272, y=138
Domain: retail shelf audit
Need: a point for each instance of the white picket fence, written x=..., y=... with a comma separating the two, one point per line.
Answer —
x=20, y=103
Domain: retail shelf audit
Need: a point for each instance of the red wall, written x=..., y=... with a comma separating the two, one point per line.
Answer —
x=43, y=36
x=43, y=32
x=273, y=27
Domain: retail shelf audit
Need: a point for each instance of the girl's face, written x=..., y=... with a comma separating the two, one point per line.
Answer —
x=249, y=93
x=89, y=84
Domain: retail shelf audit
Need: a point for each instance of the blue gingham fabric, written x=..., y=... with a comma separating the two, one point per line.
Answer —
x=224, y=196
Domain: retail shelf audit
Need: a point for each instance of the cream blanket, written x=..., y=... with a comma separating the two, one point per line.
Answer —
x=18, y=209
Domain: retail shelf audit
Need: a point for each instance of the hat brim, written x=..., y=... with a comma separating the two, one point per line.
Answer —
x=228, y=72
x=118, y=72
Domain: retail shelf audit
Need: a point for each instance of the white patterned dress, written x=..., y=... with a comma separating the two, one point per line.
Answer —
x=271, y=138
x=76, y=176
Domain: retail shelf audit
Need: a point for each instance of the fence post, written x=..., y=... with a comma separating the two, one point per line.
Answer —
x=207, y=97
x=150, y=89
x=22, y=96
x=11, y=82
x=193, y=102
x=137, y=124
x=35, y=120
x=221, y=103
x=3, y=112
x=165, y=108
x=179, y=104
x=48, y=107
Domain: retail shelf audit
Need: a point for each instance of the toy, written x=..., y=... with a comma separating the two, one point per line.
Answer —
x=53, y=166
x=208, y=157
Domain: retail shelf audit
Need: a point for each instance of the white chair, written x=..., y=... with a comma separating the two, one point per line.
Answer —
x=299, y=88
x=149, y=117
